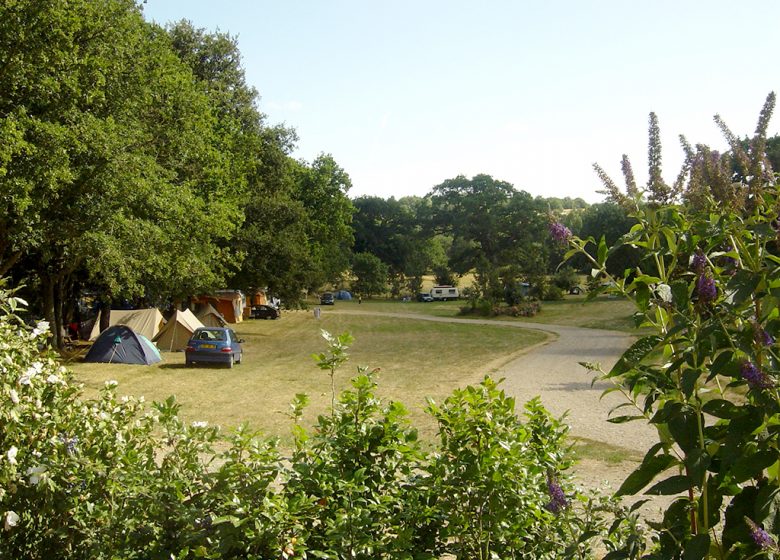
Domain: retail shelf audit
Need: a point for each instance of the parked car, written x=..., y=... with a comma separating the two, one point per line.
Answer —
x=327, y=299
x=424, y=296
x=214, y=345
x=265, y=312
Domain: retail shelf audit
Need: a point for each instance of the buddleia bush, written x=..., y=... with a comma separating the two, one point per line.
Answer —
x=707, y=375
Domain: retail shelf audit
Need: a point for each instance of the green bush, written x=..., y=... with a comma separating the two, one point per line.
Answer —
x=707, y=376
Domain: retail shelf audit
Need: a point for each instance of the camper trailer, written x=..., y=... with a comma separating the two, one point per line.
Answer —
x=444, y=293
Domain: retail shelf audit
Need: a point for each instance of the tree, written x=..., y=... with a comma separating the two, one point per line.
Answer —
x=491, y=225
x=111, y=168
x=370, y=274
x=322, y=188
x=612, y=222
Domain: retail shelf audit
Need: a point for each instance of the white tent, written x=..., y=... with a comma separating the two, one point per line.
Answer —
x=147, y=322
x=177, y=331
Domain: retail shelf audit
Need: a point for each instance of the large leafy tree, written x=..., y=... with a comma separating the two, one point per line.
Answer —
x=370, y=274
x=391, y=230
x=490, y=222
x=111, y=165
x=322, y=187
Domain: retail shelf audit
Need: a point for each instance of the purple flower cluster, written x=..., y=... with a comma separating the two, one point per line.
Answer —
x=763, y=337
x=706, y=288
x=559, y=232
x=762, y=539
x=699, y=262
x=755, y=378
x=558, y=500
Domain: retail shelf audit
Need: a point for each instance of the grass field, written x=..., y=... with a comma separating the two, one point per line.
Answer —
x=601, y=313
x=417, y=360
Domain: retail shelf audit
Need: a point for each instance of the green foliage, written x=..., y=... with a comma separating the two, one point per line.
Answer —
x=566, y=278
x=370, y=274
x=491, y=223
x=707, y=378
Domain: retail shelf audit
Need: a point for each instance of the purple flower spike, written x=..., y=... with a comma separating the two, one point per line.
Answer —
x=558, y=500
x=559, y=232
x=755, y=378
x=705, y=287
x=762, y=539
x=699, y=262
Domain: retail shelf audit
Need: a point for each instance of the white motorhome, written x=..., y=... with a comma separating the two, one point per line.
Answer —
x=444, y=293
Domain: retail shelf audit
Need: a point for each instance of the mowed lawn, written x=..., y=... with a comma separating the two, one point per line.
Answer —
x=603, y=312
x=417, y=359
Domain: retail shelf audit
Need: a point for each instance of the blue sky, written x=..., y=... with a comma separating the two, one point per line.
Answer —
x=406, y=94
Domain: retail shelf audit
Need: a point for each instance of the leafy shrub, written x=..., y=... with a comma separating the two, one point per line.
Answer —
x=708, y=286
x=552, y=293
x=566, y=279
x=486, y=455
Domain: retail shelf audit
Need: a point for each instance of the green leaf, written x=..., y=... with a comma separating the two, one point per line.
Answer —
x=721, y=408
x=743, y=284
x=602, y=252
x=670, y=486
x=624, y=419
x=697, y=548
x=642, y=295
x=684, y=428
x=688, y=381
x=680, y=295
x=767, y=508
x=635, y=354
x=645, y=473
x=724, y=364
x=752, y=466
x=696, y=463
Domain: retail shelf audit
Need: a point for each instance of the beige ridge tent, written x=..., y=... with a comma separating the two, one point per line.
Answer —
x=147, y=322
x=210, y=317
x=177, y=331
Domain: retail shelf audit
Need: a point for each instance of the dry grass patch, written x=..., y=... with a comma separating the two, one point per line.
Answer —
x=417, y=359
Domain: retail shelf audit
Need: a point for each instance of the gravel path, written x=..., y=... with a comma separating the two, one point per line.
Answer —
x=551, y=370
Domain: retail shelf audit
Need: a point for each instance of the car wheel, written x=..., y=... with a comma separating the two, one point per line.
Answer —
x=240, y=357
x=188, y=364
x=230, y=362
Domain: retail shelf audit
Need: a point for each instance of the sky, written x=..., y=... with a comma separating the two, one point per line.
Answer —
x=407, y=94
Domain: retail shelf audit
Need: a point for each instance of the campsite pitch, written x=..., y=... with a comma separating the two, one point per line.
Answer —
x=417, y=360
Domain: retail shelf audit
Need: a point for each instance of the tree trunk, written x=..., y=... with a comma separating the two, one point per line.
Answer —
x=48, y=289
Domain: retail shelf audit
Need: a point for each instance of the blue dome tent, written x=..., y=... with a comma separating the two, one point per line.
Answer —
x=121, y=345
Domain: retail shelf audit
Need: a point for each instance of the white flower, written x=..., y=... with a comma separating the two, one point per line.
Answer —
x=25, y=380
x=40, y=328
x=125, y=399
x=35, y=368
x=53, y=379
x=11, y=520
x=36, y=474
x=14, y=396
x=11, y=454
x=200, y=424
x=111, y=383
